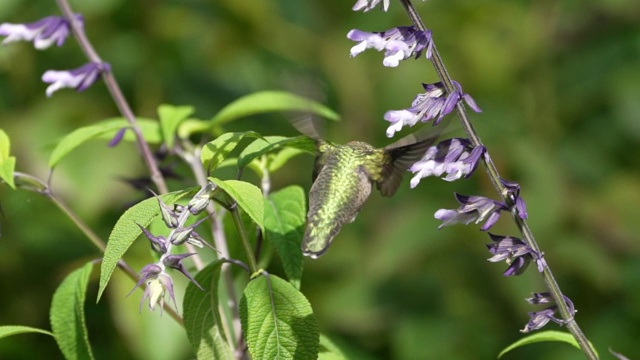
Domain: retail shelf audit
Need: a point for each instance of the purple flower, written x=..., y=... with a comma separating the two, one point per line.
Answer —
x=399, y=43
x=473, y=208
x=454, y=158
x=158, y=284
x=513, y=193
x=43, y=33
x=79, y=79
x=433, y=104
x=367, y=5
x=538, y=319
x=515, y=252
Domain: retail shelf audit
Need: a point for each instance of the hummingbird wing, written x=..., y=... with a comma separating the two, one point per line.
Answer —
x=308, y=125
x=401, y=155
x=335, y=199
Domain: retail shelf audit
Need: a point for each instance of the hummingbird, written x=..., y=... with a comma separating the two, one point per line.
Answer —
x=343, y=179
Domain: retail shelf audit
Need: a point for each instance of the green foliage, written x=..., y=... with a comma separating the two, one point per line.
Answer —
x=285, y=215
x=7, y=163
x=202, y=320
x=543, y=336
x=270, y=101
x=125, y=232
x=248, y=196
x=10, y=330
x=278, y=320
x=217, y=150
x=328, y=350
x=268, y=144
x=170, y=118
x=104, y=129
x=67, y=315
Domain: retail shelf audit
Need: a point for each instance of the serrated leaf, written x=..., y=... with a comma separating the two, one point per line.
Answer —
x=248, y=197
x=328, y=350
x=267, y=144
x=278, y=321
x=543, y=336
x=170, y=118
x=125, y=232
x=106, y=127
x=67, y=315
x=10, y=330
x=270, y=101
x=284, y=218
x=217, y=150
x=202, y=318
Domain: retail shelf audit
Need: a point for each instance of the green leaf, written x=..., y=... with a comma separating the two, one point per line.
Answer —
x=278, y=321
x=281, y=157
x=104, y=129
x=7, y=163
x=7, y=168
x=9, y=330
x=67, y=315
x=328, y=350
x=284, y=218
x=541, y=337
x=125, y=232
x=267, y=144
x=248, y=197
x=202, y=317
x=170, y=118
x=270, y=101
x=217, y=150
x=5, y=145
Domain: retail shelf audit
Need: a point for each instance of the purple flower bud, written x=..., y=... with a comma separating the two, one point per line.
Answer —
x=451, y=159
x=43, y=33
x=200, y=201
x=181, y=235
x=367, y=5
x=474, y=208
x=158, y=243
x=175, y=262
x=513, y=193
x=399, y=43
x=79, y=79
x=117, y=137
x=435, y=103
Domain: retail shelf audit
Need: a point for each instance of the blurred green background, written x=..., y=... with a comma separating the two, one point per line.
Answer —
x=558, y=81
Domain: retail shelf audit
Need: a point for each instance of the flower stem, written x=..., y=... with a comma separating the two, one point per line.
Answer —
x=492, y=171
x=116, y=94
